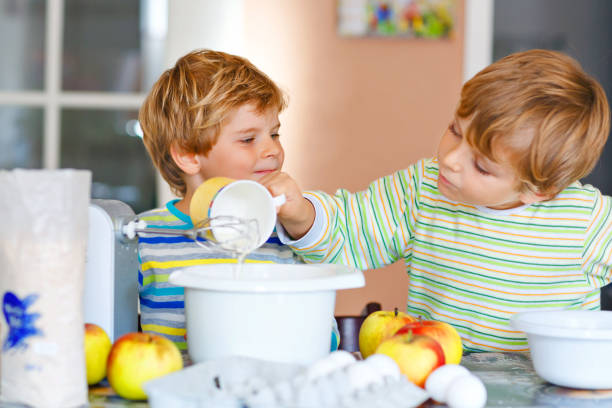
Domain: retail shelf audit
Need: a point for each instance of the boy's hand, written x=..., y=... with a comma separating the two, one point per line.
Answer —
x=297, y=214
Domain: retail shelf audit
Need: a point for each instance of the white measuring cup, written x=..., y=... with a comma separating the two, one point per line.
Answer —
x=245, y=200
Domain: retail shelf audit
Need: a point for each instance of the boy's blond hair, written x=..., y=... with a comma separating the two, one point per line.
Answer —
x=187, y=105
x=546, y=96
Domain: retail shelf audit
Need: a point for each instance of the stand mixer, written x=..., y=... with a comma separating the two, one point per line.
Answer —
x=111, y=276
x=110, y=299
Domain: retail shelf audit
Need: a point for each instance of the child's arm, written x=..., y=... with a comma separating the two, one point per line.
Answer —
x=368, y=229
x=597, y=256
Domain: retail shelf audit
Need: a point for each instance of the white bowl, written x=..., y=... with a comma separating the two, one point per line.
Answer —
x=571, y=348
x=272, y=312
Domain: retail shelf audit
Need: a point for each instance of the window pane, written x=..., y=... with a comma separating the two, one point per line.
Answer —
x=106, y=142
x=21, y=141
x=102, y=46
x=22, y=41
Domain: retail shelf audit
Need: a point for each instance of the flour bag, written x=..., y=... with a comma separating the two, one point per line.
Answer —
x=43, y=240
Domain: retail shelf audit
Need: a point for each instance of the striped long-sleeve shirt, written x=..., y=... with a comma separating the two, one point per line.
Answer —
x=161, y=303
x=470, y=266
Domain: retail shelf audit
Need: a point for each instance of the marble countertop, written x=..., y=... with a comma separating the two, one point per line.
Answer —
x=508, y=377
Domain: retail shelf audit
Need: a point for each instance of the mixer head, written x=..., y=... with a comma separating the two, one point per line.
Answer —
x=227, y=233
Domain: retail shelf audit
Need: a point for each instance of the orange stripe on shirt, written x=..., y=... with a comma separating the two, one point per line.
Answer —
x=601, y=266
x=586, y=200
x=380, y=253
x=493, y=347
x=547, y=219
x=397, y=194
x=358, y=235
x=330, y=251
x=384, y=207
x=597, y=299
x=596, y=244
x=599, y=208
x=346, y=254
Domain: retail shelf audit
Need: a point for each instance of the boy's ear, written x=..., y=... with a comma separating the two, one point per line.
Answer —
x=188, y=162
x=530, y=197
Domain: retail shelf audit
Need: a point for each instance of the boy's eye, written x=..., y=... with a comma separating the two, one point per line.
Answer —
x=453, y=129
x=247, y=140
x=275, y=135
x=480, y=169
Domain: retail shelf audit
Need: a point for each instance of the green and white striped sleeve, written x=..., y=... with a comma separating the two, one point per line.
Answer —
x=368, y=229
x=597, y=255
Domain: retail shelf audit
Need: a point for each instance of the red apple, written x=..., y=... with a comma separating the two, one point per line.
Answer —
x=136, y=358
x=380, y=325
x=443, y=332
x=97, y=347
x=416, y=355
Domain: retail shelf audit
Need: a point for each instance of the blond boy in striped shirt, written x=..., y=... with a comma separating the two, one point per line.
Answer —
x=497, y=222
x=212, y=114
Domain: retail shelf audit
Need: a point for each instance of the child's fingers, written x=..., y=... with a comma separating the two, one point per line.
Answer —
x=295, y=206
x=281, y=183
x=277, y=183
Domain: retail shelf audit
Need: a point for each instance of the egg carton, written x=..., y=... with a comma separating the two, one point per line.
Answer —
x=337, y=381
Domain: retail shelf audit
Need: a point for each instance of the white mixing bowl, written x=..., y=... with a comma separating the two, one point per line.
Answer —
x=571, y=348
x=273, y=312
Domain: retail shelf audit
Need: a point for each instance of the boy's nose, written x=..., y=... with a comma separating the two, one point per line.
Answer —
x=270, y=148
x=452, y=159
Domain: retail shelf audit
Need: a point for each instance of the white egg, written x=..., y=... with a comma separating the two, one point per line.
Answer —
x=264, y=398
x=441, y=378
x=284, y=392
x=361, y=375
x=341, y=358
x=318, y=369
x=308, y=396
x=384, y=365
x=332, y=362
x=466, y=391
x=340, y=382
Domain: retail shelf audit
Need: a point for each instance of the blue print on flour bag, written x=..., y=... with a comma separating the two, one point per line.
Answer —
x=20, y=322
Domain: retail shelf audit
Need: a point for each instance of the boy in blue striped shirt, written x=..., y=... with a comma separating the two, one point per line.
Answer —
x=212, y=114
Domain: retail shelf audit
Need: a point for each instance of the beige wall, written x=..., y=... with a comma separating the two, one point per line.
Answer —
x=358, y=108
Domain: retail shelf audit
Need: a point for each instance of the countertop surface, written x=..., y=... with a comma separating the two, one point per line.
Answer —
x=511, y=382
x=509, y=379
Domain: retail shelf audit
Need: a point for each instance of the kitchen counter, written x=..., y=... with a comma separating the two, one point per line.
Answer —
x=511, y=382
x=509, y=378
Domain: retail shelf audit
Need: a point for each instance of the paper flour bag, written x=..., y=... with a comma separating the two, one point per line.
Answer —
x=43, y=239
